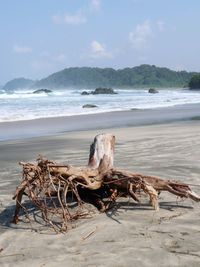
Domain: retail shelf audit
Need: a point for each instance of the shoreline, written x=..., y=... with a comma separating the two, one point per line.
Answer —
x=56, y=125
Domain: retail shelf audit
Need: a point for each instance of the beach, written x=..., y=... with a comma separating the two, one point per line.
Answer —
x=136, y=117
x=163, y=142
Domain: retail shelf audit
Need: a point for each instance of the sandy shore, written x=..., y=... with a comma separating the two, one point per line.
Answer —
x=52, y=126
x=135, y=235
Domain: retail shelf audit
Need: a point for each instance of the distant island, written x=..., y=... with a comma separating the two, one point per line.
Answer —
x=18, y=83
x=142, y=76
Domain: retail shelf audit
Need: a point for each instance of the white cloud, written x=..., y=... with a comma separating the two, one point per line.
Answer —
x=140, y=36
x=98, y=50
x=95, y=5
x=161, y=25
x=79, y=17
x=76, y=19
x=22, y=49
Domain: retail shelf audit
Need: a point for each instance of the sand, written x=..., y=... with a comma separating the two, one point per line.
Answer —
x=133, y=235
x=136, y=117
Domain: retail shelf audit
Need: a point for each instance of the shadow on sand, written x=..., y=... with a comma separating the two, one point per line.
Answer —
x=33, y=214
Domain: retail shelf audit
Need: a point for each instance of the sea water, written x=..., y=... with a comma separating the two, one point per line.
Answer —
x=24, y=105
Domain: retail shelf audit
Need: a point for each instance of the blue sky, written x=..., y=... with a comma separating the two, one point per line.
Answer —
x=39, y=37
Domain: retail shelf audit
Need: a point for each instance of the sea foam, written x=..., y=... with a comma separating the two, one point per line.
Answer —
x=24, y=105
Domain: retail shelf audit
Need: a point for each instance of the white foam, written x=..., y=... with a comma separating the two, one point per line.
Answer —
x=24, y=105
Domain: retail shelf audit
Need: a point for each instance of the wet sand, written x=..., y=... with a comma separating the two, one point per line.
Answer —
x=135, y=117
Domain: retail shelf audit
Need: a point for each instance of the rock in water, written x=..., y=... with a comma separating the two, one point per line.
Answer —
x=40, y=91
x=102, y=90
x=85, y=93
x=153, y=91
x=89, y=106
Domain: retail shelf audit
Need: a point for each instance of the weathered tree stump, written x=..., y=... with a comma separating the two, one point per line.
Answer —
x=48, y=182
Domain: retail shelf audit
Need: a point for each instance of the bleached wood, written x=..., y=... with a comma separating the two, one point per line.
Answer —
x=104, y=144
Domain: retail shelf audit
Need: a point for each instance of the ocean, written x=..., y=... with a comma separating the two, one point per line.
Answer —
x=24, y=105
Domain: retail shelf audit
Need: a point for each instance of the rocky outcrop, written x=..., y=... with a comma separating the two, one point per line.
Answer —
x=89, y=106
x=153, y=91
x=40, y=91
x=99, y=91
x=85, y=93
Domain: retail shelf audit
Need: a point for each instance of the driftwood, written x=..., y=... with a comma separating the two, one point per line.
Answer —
x=51, y=187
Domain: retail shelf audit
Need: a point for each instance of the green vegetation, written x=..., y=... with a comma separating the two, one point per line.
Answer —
x=141, y=76
x=194, y=82
x=19, y=83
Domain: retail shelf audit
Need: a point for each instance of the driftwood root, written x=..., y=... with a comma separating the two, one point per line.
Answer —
x=54, y=189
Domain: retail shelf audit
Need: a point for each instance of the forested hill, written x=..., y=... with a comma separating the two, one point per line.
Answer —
x=18, y=83
x=85, y=77
x=141, y=76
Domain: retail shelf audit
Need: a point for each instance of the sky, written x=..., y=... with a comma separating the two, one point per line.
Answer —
x=39, y=37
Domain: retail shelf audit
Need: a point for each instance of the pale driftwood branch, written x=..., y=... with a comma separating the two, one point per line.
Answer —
x=50, y=186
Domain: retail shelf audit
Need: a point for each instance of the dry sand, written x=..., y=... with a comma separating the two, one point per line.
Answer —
x=134, y=235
